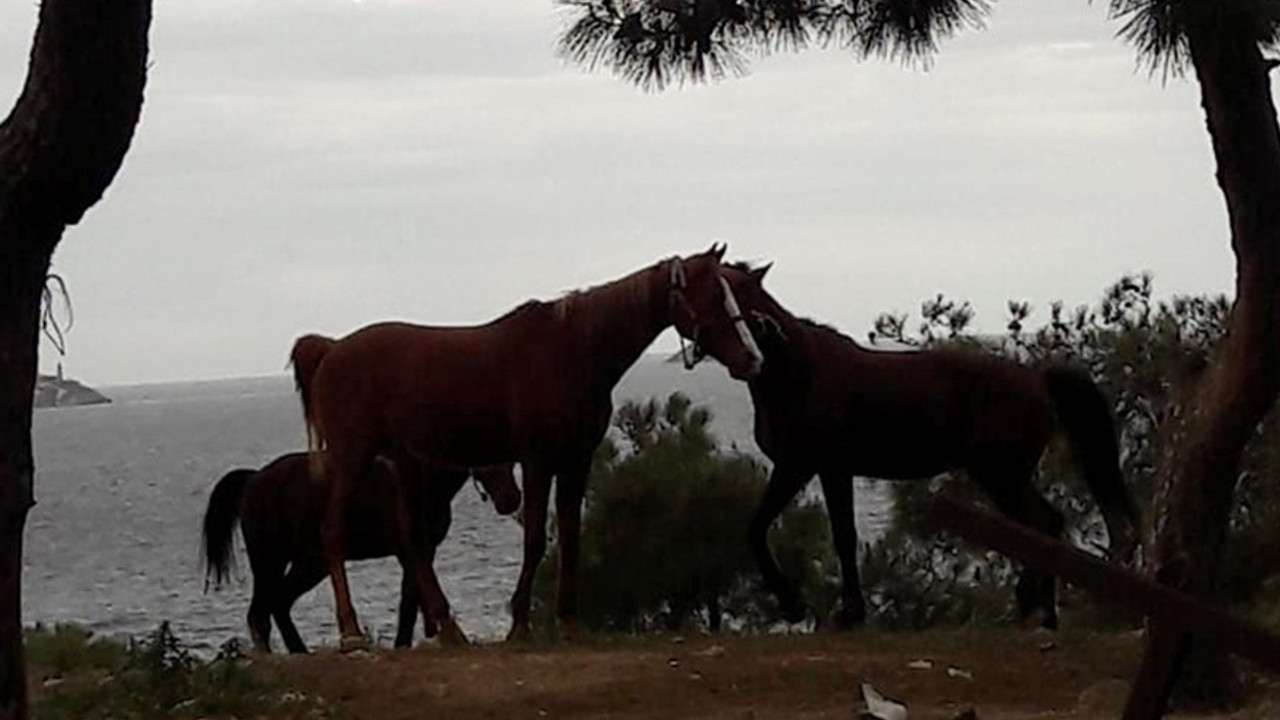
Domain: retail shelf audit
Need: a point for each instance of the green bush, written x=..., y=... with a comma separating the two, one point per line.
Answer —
x=664, y=536
x=156, y=677
x=913, y=578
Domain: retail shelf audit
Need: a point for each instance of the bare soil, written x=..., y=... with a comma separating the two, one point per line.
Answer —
x=1001, y=675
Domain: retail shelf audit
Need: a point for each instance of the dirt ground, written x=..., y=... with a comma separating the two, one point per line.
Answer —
x=1001, y=675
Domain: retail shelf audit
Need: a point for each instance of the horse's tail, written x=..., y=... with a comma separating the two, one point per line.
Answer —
x=1086, y=417
x=308, y=352
x=220, y=520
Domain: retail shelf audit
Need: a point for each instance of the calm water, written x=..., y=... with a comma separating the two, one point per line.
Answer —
x=113, y=542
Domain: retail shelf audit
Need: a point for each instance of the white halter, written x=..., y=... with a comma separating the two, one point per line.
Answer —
x=748, y=341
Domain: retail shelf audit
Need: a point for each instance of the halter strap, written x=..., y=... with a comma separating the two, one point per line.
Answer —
x=675, y=289
x=677, y=274
x=740, y=323
x=731, y=307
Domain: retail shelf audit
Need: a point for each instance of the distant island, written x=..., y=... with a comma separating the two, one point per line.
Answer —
x=57, y=391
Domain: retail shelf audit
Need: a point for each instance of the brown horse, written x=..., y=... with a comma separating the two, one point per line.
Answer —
x=826, y=406
x=532, y=386
x=280, y=508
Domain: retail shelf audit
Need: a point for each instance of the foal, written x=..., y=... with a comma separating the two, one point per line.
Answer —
x=280, y=508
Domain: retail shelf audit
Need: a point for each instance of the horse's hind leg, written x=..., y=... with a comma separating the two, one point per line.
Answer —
x=785, y=482
x=537, y=494
x=837, y=489
x=570, y=491
x=437, y=525
x=344, y=470
x=1011, y=489
x=267, y=574
x=302, y=576
x=437, y=512
x=260, y=614
x=407, y=614
x=409, y=537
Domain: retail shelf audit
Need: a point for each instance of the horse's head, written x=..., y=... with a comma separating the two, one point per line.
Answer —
x=747, y=285
x=705, y=311
x=499, y=483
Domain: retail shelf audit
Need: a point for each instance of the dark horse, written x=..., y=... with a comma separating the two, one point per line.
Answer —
x=280, y=509
x=826, y=406
x=532, y=386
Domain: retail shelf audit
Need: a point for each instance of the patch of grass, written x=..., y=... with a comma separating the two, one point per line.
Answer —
x=156, y=677
x=66, y=648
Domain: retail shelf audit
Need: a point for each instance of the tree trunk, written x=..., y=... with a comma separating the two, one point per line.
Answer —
x=1209, y=433
x=59, y=149
x=21, y=283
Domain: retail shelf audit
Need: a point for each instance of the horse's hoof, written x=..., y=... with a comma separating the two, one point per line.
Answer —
x=452, y=636
x=794, y=614
x=352, y=643
x=519, y=634
x=848, y=619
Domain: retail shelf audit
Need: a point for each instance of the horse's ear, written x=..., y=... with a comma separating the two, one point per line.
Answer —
x=759, y=273
x=717, y=249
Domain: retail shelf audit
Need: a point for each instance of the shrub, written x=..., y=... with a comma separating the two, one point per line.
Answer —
x=156, y=677
x=664, y=535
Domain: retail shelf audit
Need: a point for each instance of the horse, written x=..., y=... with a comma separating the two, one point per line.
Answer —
x=825, y=405
x=532, y=386
x=279, y=508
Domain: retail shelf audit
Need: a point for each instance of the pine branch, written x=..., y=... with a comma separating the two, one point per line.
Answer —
x=654, y=43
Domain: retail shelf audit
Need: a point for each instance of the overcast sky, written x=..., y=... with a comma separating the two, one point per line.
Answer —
x=317, y=165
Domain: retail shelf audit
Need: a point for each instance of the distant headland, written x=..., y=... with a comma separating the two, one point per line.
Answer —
x=57, y=391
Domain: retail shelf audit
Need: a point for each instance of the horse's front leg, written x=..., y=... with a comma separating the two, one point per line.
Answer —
x=537, y=493
x=837, y=489
x=569, y=495
x=784, y=483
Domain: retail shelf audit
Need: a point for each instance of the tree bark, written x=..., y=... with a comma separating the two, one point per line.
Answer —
x=60, y=147
x=1209, y=433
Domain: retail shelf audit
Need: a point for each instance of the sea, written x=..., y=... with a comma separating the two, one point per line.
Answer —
x=113, y=542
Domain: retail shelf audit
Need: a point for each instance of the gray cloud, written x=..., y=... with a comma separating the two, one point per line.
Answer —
x=320, y=164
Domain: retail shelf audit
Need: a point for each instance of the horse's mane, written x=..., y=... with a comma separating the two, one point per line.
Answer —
x=831, y=332
x=589, y=306
x=523, y=307
x=809, y=323
x=822, y=327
